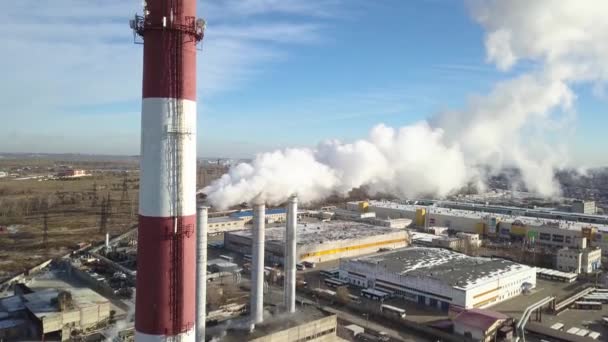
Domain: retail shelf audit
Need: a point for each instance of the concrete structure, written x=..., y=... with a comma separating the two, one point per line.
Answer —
x=398, y=223
x=437, y=230
x=218, y=225
x=479, y=325
x=583, y=207
x=308, y=324
x=323, y=241
x=88, y=310
x=342, y=214
x=222, y=266
x=444, y=241
x=439, y=278
x=452, y=243
x=470, y=239
x=272, y=215
x=201, y=272
x=289, y=284
x=35, y=315
x=577, y=260
x=166, y=248
x=257, y=264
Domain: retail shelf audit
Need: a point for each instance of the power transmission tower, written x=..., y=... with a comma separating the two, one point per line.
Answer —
x=45, y=230
x=124, y=198
x=108, y=207
x=94, y=199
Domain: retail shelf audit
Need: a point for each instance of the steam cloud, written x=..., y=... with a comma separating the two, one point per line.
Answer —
x=560, y=43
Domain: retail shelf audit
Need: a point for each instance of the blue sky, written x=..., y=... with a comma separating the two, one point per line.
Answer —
x=271, y=74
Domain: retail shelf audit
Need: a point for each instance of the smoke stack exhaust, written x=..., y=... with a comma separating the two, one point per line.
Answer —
x=201, y=272
x=257, y=264
x=289, y=266
x=166, y=246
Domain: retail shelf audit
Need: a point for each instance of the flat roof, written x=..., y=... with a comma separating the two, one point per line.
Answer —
x=531, y=221
x=455, y=269
x=319, y=232
x=276, y=323
x=39, y=302
x=11, y=323
x=550, y=272
x=428, y=238
x=11, y=304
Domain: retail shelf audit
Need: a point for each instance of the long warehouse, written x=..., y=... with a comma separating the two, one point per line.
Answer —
x=439, y=277
x=323, y=241
x=552, y=233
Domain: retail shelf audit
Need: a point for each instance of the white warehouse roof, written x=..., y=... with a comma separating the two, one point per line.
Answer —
x=457, y=270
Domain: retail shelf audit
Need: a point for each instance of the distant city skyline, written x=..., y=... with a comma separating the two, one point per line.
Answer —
x=272, y=74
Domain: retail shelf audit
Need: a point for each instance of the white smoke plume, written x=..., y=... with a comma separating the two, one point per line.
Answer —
x=565, y=41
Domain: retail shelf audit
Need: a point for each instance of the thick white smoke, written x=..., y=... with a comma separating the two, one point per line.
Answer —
x=565, y=41
x=389, y=160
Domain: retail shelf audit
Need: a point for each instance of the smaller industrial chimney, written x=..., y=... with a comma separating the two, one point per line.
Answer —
x=201, y=272
x=289, y=285
x=257, y=263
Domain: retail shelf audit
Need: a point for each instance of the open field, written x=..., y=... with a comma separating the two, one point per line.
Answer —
x=72, y=208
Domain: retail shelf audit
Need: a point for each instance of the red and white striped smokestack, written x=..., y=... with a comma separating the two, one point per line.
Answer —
x=166, y=250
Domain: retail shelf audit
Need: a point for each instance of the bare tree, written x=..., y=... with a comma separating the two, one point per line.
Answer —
x=342, y=295
x=215, y=296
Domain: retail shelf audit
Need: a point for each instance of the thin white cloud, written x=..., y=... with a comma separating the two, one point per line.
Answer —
x=62, y=55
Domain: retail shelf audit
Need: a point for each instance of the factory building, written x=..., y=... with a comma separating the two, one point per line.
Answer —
x=51, y=314
x=480, y=325
x=307, y=324
x=439, y=278
x=545, y=232
x=398, y=223
x=469, y=239
x=542, y=213
x=583, y=207
x=218, y=225
x=579, y=260
x=342, y=214
x=323, y=241
x=272, y=215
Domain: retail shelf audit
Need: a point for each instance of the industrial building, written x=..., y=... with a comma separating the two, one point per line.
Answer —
x=272, y=215
x=44, y=315
x=443, y=240
x=583, y=207
x=571, y=214
x=480, y=325
x=323, y=241
x=307, y=324
x=72, y=173
x=554, y=233
x=579, y=260
x=218, y=225
x=439, y=277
